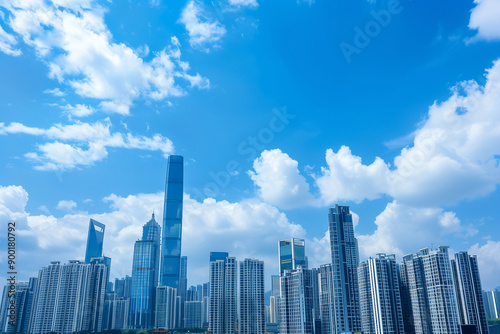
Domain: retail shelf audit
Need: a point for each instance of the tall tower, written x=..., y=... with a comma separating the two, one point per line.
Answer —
x=172, y=224
x=145, y=276
x=345, y=261
x=252, y=306
x=94, y=240
x=291, y=254
x=469, y=292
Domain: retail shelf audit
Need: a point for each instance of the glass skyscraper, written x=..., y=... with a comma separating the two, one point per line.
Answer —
x=145, y=276
x=94, y=240
x=291, y=254
x=172, y=224
x=345, y=261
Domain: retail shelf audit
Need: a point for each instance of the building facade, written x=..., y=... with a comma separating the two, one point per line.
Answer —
x=223, y=293
x=292, y=254
x=345, y=261
x=379, y=295
x=252, y=306
x=170, y=266
x=469, y=292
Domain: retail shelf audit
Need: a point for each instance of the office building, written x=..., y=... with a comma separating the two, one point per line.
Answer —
x=379, y=296
x=252, y=306
x=145, y=276
x=95, y=240
x=469, y=292
x=296, y=302
x=123, y=287
x=223, y=293
x=345, y=260
x=170, y=266
x=291, y=254
x=327, y=303
x=193, y=311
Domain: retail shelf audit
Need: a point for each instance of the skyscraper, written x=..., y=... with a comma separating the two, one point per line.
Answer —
x=172, y=224
x=291, y=254
x=469, y=292
x=145, y=276
x=223, y=293
x=94, y=240
x=296, y=302
x=252, y=307
x=345, y=260
x=416, y=315
x=427, y=278
x=326, y=299
x=379, y=296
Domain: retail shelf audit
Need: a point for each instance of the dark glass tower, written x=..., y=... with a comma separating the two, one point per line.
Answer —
x=94, y=240
x=172, y=224
x=145, y=276
x=291, y=254
x=345, y=261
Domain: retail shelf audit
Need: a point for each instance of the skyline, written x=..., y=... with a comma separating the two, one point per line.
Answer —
x=274, y=122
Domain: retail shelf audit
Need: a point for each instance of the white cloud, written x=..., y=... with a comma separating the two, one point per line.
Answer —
x=79, y=110
x=279, y=180
x=74, y=41
x=203, y=31
x=484, y=19
x=403, y=229
x=55, y=91
x=6, y=43
x=83, y=144
x=347, y=179
x=454, y=156
x=249, y=228
x=66, y=205
x=238, y=4
x=488, y=262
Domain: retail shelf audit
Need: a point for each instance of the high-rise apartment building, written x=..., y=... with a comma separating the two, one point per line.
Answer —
x=345, y=260
x=170, y=267
x=427, y=280
x=223, y=293
x=379, y=296
x=296, y=302
x=193, y=314
x=252, y=306
x=70, y=297
x=16, y=320
x=95, y=240
x=166, y=308
x=492, y=304
x=145, y=267
x=292, y=254
x=327, y=302
x=469, y=292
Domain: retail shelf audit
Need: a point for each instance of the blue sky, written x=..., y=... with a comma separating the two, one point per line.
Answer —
x=275, y=119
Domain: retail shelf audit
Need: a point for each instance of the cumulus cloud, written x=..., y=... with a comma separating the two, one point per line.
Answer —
x=82, y=144
x=454, y=156
x=484, y=18
x=347, y=179
x=279, y=181
x=79, y=110
x=249, y=228
x=71, y=37
x=403, y=229
x=203, y=31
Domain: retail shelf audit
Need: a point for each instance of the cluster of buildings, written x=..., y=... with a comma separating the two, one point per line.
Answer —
x=426, y=293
